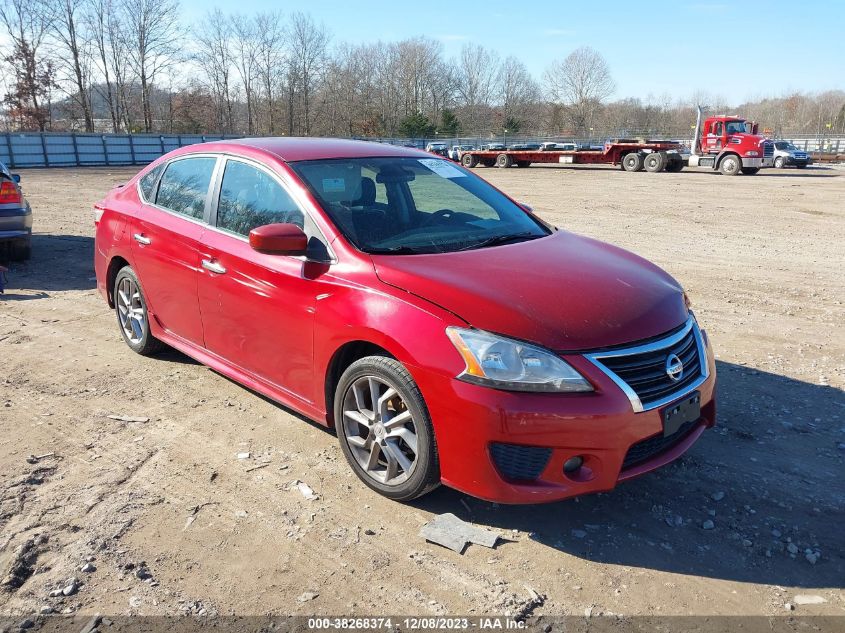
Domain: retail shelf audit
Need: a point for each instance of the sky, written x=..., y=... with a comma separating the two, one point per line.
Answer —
x=737, y=50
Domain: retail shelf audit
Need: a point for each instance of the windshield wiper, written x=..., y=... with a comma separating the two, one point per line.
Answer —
x=394, y=250
x=498, y=240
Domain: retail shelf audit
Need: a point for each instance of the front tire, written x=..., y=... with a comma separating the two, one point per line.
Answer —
x=385, y=430
x=130, y=306
x=779, y=162
x=731, y=165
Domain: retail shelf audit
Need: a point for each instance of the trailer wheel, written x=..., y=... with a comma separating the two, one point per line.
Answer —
x=655, y=162
x=469, y=161
x=632, y=161
x=750, y=171
x=731, y=165
x=504, y=160
x=675, y=163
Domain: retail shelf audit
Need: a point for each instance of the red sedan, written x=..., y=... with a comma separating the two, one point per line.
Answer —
x=447, y=333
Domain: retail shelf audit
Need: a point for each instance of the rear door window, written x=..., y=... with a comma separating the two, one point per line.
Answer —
x=184, y=186
x=250, y=197
x=149, y=181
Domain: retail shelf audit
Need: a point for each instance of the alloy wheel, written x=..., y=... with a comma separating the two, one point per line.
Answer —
x=380, y=430
x=131, y=311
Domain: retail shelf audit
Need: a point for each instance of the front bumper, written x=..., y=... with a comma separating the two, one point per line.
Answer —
x=792, y=160
x=600, y=427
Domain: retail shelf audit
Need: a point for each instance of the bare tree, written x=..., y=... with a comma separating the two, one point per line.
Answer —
x=110, y=59
x=581, y=82
x=152, y=30
x=214, y=57
x=518, y=95
x=270, y=62
x=245, y=47
x=477, y=70
x=308, y=44
x=69, y=30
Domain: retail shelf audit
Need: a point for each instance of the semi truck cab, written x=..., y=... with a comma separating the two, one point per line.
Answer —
x=729, y=144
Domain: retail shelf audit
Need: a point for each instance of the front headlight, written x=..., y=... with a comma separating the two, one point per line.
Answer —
x=752, y=153
x=502, y=363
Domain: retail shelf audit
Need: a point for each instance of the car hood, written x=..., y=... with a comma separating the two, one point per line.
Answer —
x=564, y=291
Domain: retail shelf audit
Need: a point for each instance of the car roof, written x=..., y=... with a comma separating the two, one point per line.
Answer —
x=292, y=149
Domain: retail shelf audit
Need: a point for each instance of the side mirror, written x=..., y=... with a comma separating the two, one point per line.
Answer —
x=16, y=178
x=279, y=239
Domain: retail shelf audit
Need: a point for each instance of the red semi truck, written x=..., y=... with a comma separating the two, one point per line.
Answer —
x=728, y=144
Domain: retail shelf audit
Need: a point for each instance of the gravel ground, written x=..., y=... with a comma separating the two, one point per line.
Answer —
x=160, y=516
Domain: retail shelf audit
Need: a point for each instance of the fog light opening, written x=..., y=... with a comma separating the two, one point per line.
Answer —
x=573, y=464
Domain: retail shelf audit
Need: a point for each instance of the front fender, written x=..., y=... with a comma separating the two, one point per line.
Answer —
x=411, y=329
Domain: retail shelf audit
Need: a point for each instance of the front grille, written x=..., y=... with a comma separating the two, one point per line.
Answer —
x=646, y=449
x=644, y=369
x=768, y=149
x=800, y=155
x=520, y=463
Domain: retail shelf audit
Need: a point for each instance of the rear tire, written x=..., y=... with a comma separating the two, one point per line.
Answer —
x=731, y=165
x=130, y=306
x=20, y=251
x=655, y=162
x=504, y=161
x=469, y=161
x=632, y=161
x=750, y=171
x=397, y=461
x=675, y=163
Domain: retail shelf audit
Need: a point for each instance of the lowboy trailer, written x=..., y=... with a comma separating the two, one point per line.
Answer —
x=630, y=155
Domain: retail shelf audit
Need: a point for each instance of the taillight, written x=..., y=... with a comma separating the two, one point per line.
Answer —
x=98, y=213
x=9, y=193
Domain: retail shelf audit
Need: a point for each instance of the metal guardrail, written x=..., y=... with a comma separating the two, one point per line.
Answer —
x=57, y=149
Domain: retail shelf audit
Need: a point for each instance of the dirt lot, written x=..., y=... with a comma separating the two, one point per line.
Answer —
x=762, y=258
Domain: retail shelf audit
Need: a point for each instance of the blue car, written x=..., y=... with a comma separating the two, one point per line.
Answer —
x=15, y=217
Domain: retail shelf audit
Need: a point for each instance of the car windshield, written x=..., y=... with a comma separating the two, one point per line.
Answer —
x=414, y=205
x=784, y=145
x=736, y=127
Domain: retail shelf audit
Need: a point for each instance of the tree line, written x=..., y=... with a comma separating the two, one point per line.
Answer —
x=135, y=66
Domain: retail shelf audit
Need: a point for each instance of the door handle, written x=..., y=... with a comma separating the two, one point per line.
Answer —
x=142, y=239
x=213, y=266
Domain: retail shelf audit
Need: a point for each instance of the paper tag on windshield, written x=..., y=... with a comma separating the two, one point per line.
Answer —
x=334, y=185
x=442, y=168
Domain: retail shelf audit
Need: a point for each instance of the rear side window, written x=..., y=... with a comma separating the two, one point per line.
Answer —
x=149, y=181
x=250, y=197
x=184, y=186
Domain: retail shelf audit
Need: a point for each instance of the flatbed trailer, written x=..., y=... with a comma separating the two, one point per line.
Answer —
x=630, y=155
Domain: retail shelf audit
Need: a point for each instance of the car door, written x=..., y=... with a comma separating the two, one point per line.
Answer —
x=166, y=237
x=258, y=308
